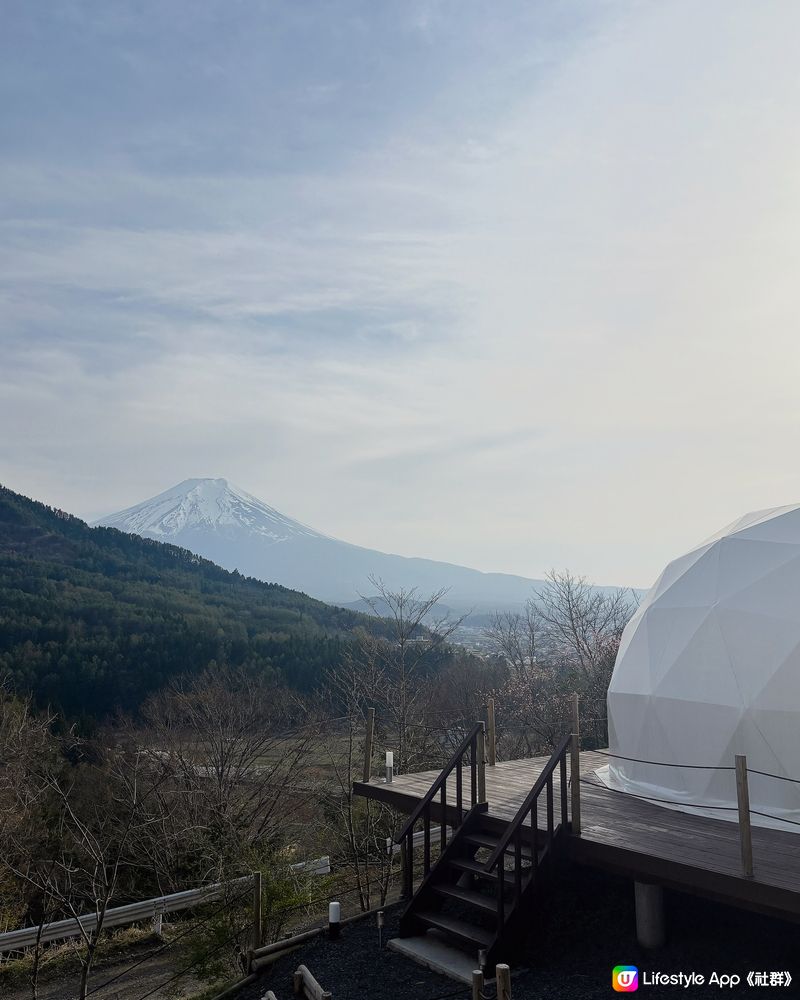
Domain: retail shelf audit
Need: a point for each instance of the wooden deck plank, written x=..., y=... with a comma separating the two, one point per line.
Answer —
x=633, y=836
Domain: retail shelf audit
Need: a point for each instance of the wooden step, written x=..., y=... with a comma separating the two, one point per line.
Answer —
x=476, y=868
x=481, y=839
x=456, y=928
x=490, y=842
x=477, y=899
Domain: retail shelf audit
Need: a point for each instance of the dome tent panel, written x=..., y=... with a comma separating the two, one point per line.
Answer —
x=708, y=668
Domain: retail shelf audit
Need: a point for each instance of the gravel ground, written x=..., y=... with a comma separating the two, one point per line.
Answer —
x=570, y=956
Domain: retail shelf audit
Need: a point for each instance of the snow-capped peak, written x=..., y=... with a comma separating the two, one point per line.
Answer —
x=206, y=504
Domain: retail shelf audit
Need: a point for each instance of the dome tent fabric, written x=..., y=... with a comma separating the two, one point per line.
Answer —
x=708, y=667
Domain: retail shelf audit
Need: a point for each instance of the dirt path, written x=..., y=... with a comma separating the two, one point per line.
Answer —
x=144, y=978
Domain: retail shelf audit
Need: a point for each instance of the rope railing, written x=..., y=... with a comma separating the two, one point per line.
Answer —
x=654, y=798
x=699, y=767
x=778, y=819
x=778, y=777
x=664, y=763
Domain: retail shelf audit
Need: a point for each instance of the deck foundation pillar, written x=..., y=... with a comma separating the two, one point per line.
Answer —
x=650, y=932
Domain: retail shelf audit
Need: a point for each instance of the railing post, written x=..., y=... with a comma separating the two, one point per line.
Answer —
x=480, y=750
x=368, y=744
x=426, y=842
x=743, y=800
x=575, y=774
x=492, y=734
x=477, y=984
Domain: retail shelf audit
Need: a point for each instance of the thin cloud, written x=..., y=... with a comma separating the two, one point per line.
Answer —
x=502, y=291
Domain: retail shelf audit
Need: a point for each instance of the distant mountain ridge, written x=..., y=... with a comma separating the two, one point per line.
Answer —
x=224, y=523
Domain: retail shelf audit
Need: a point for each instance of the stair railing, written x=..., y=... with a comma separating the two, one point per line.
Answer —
x=516, y=830
x=471, y=753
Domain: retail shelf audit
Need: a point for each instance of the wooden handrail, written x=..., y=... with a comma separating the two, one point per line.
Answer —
x=469, y=739
x=530, y=802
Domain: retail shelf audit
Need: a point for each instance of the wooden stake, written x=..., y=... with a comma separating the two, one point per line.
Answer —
x=477, y=985
x=306, y=985
x=480, y=750
x=575, y=770
x=368, y=744
x=503, y=973
x=743, y=799
x=256, y=910
x=492, y=748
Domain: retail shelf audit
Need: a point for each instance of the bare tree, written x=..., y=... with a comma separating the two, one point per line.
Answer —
x=388, y=668
x=583, y=623
x=356, y=828
x=231, y=750
x=566, y=640
x=91, y=814
x=516, y=636
x=27, y=756
x=400, y=661
x=27, y=749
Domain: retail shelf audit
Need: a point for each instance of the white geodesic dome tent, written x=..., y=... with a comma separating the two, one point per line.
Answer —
x=709, y=667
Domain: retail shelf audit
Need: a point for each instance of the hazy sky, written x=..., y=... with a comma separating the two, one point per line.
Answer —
x=509, y=284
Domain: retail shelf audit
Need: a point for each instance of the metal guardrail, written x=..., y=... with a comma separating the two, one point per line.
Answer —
x=146, y=909
x=319, y=866
x=419, y=838
x=117, y=916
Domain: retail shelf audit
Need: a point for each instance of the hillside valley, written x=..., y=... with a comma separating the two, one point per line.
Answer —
x=93, y=619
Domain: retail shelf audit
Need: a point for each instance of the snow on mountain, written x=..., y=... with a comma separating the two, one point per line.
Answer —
x=206, y=504
x=224, y=523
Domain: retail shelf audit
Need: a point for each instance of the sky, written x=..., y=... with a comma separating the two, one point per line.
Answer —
x=511, y=285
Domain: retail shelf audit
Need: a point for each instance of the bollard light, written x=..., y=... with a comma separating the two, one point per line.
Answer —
x=334, y=919
x=389, y=766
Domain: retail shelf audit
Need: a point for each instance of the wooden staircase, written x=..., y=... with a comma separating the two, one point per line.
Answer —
x=490, y=872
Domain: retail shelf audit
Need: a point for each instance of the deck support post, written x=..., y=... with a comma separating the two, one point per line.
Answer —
x=743, y=800
x=368, y=745
x=477, y=984
x=491, y=734
x=480, y=751
x=575, y=769
x=650, y=932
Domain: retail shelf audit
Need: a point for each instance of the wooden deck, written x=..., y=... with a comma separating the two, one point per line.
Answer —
x=635, y=838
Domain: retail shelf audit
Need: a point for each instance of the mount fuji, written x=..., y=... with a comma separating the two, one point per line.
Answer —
x=236, y=530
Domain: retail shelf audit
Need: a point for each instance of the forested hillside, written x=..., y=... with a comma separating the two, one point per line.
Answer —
x=92, y=619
